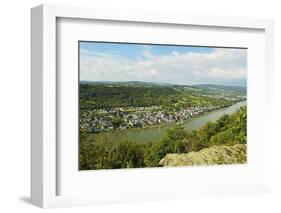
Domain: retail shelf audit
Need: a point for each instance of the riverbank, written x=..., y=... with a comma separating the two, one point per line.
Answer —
x=129, y=153
x=122, y=118
x=155, y=133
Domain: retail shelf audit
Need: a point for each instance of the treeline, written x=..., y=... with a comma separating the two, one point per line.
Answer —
x=227, y=130
x=107, y=96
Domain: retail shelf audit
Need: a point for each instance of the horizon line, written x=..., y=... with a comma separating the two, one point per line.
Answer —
x=155, y=82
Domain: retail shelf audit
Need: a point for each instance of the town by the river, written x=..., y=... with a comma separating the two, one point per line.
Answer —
x=156, y=133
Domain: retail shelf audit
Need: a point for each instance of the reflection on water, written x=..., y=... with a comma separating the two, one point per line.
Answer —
x=157, y=132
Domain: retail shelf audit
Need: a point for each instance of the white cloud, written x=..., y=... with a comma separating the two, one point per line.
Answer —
x=147, y=54
x=220, y=66
x=175, y=53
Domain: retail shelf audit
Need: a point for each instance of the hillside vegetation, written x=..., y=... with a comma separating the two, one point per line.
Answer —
x=106, y=106
x=228, y=130
x=138, y=94
x=214, y=155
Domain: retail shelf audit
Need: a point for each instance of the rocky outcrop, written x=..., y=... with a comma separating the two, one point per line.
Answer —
x=236, y=154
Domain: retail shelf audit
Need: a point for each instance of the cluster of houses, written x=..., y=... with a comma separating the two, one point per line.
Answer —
x=119, y=118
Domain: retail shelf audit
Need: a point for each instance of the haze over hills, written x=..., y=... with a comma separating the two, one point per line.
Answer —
x=223, y=89
x=209, y=85
x=207, y=89
x=220, y=86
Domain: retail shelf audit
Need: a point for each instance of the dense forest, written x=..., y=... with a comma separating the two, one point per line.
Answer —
x=139, y=94
x=100, y=154
x=107, y=96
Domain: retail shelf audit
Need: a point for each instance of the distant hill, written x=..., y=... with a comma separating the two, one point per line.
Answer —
x=218, y=86
x=210, y=156
x=202, y=86
x=127, y=83
x=213, y=89
x=206, y=89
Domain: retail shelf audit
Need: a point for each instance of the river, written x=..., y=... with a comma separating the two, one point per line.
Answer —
x=156, y=133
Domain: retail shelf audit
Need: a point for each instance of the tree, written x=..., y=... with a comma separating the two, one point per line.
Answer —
x=240, y=125
x=223, y=122
x=191, y=142
x=127, y=154
x=172, y=143
x=205, y=134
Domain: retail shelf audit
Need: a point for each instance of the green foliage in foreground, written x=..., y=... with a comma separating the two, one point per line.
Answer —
x=100, y=154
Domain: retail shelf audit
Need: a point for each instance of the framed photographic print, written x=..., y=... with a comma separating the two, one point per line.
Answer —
x=130, y=106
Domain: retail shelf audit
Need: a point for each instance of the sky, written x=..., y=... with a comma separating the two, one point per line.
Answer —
x=184, y=65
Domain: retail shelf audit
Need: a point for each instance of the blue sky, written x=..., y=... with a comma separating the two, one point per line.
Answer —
x=162, y=63
x=136, y=50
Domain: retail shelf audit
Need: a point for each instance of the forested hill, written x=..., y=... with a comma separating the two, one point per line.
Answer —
x=95, y=95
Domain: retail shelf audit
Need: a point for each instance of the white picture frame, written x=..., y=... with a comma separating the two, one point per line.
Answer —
x=44, y=150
